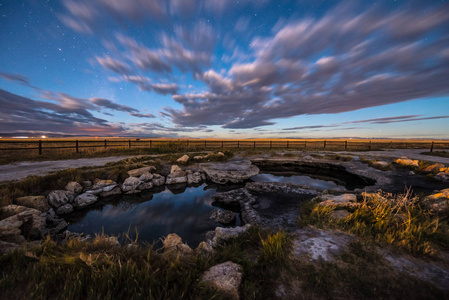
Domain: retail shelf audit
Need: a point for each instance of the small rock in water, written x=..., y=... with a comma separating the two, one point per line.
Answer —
x=84, y=200
x=64, y=209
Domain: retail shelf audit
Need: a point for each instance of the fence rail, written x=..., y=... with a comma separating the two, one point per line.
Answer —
x=77, y=145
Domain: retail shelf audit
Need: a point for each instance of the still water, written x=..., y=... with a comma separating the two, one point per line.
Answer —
x=153, y=215
x=185, y=211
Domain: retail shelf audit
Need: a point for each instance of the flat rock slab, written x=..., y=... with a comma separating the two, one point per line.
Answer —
x=317, y=244
x=232, y=171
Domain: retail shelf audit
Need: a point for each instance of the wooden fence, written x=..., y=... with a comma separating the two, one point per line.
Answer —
x=78, y=145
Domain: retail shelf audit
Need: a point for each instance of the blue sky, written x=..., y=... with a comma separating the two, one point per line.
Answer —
x=225, y=68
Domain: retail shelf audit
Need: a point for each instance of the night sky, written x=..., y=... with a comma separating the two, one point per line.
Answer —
x=224, y=68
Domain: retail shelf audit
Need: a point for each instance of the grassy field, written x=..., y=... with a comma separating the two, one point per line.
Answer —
x=52, y=149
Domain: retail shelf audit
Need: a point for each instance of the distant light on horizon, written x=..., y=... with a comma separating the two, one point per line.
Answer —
x=44, y=137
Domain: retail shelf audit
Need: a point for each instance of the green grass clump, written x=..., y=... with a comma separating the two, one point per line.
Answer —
x=275, y=247
x=399, y=220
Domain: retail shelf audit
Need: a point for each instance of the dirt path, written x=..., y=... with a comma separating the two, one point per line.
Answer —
x=23, y=169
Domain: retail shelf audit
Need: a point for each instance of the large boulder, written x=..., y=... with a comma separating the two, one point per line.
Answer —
x=224, y=217
x=29, y=223
x=130, y=185
x=435, y=168
x=37, y=202
x=443, y=176
x=225, y=277
x=115, y=191
x=74, y=187
x=234, y=171
x=139, y=172
x=59, y=197
x=84, y=199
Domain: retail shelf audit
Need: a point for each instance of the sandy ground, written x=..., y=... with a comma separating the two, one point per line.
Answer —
x=21, y=170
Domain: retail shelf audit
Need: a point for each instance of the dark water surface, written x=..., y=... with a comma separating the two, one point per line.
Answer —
x=154, y=215
x=184, y=211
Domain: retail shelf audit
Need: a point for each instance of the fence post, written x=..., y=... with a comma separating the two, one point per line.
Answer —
x=431, y=147
x=346, y=145
x=205, y=145
x=305, y=144
x=238, y=144
x=369, y=146
x=40, y=147
x=129, y=144
x=76, y=146
x=324, y=144
x=105, y=144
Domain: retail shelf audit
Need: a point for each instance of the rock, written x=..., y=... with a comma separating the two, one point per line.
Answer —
x=64, y=209
x=224, y=234
x=59, y=197
x=115, y=191
x=193, y=178
x=11, y=210
x=443, y=176
x=158, y=180
x=204, y=249
x=6, y=247
x=140, y=171
x=317, y=244
x=382, y=165
x=339, y=201
x=223, y=216
x=86, y=184
x=411, y=173
x=339, y=214
x=84, y=199
x=404, y=161
x=438, y=202
x=130, y=185
x=173, y=245
x=198, y=157
x=104, y=185
x=37, y=202
x=183, y=159
x=219, y=154
x=177, y=175
x=435, y=168
x=113, y=240
x=59, y=226
x=225, y=277
x=235, y=171
x=74, y=187
x=29, y=224
x=175, y=168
